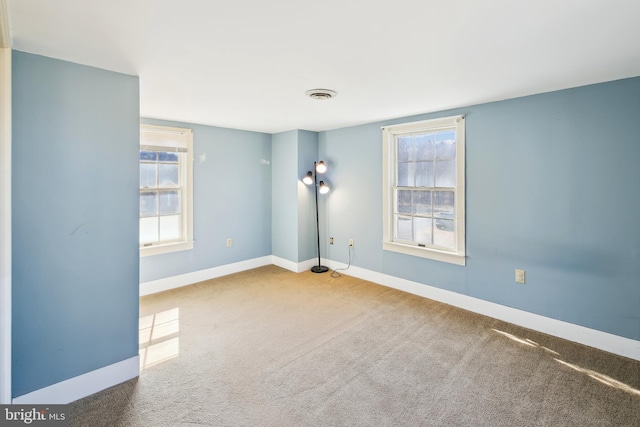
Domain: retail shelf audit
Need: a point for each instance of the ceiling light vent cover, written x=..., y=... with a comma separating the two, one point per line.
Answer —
x=321, y=94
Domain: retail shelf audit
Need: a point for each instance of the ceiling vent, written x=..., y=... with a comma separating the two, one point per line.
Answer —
x=321, y=94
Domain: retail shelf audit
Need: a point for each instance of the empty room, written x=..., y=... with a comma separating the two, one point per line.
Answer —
x=295, y=213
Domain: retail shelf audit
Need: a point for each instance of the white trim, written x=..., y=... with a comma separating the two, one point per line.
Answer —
x=5, y=218
x=429, y=124
x=5, y=29
x=593, y=338
x=164, y=137
x=296, y=267
x=160, y=285
x=449, y=257
x=285, y=263
x=389, y=136
x=171, y=137
x=166, y=248
x=83, y=385
x=173, y=282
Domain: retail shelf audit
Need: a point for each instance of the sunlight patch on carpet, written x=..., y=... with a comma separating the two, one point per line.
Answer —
x=159, y=337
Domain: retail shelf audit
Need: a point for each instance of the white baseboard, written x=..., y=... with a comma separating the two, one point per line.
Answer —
x=593, y=338
x=173, y=282
x=83, y=385
x=154, y=286
x=296, y=267
x=285, y=263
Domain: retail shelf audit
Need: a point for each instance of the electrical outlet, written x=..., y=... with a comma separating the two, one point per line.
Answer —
x=229, y=242
x=350, y=242
x=331, y=240
x=519, y=276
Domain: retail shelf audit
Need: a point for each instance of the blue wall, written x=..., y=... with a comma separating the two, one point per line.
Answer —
x=552, y=188
x=75, y=228
x=285, y=182
x=231, y=198
x=307, y=235
x=293, y=212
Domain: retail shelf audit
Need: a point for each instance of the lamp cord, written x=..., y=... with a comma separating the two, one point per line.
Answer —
x=335, y=273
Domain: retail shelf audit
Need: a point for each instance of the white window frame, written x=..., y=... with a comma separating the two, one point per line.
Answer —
x=390, y=135
x=162, y=136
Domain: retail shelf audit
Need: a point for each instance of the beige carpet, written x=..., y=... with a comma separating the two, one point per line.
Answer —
x=268, y=347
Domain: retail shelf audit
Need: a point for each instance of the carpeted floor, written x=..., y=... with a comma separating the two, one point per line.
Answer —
x=268, y=347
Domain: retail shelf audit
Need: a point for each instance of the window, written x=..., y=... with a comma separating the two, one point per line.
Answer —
x=166, y=190
x=423, y=194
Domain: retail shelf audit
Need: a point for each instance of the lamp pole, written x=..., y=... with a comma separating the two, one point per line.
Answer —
x=317, y=268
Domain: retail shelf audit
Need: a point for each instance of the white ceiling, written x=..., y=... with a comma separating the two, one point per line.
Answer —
x=246, y=64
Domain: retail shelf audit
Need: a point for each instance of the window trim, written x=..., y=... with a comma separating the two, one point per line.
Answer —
x=389, y=136
x=187, y=193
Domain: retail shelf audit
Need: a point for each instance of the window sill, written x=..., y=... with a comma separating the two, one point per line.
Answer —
x=450, y=257
x=165, y=249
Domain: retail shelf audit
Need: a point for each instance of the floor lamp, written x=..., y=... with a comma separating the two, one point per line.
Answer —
x=312, y=178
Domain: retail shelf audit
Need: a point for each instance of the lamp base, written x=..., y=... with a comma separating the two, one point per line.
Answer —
x=319, y=269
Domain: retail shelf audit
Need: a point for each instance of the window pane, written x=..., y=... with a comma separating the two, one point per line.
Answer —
x=406, y=149
x=425, y=209
x=148, y=203
x=443, y=204
x=424, y=174
x=170, y=227
x=169, y=202
x=423, y=230
x=149, y=230
x=406, y=173
x=424, y=146
x=148, y=155
x=422, y=203
x=403, y=201
x=443, y=234
x=168, y=175
x=445, y=173
x=446, y=145
x=168, y=157
x=148, y=175
x=403, y=228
